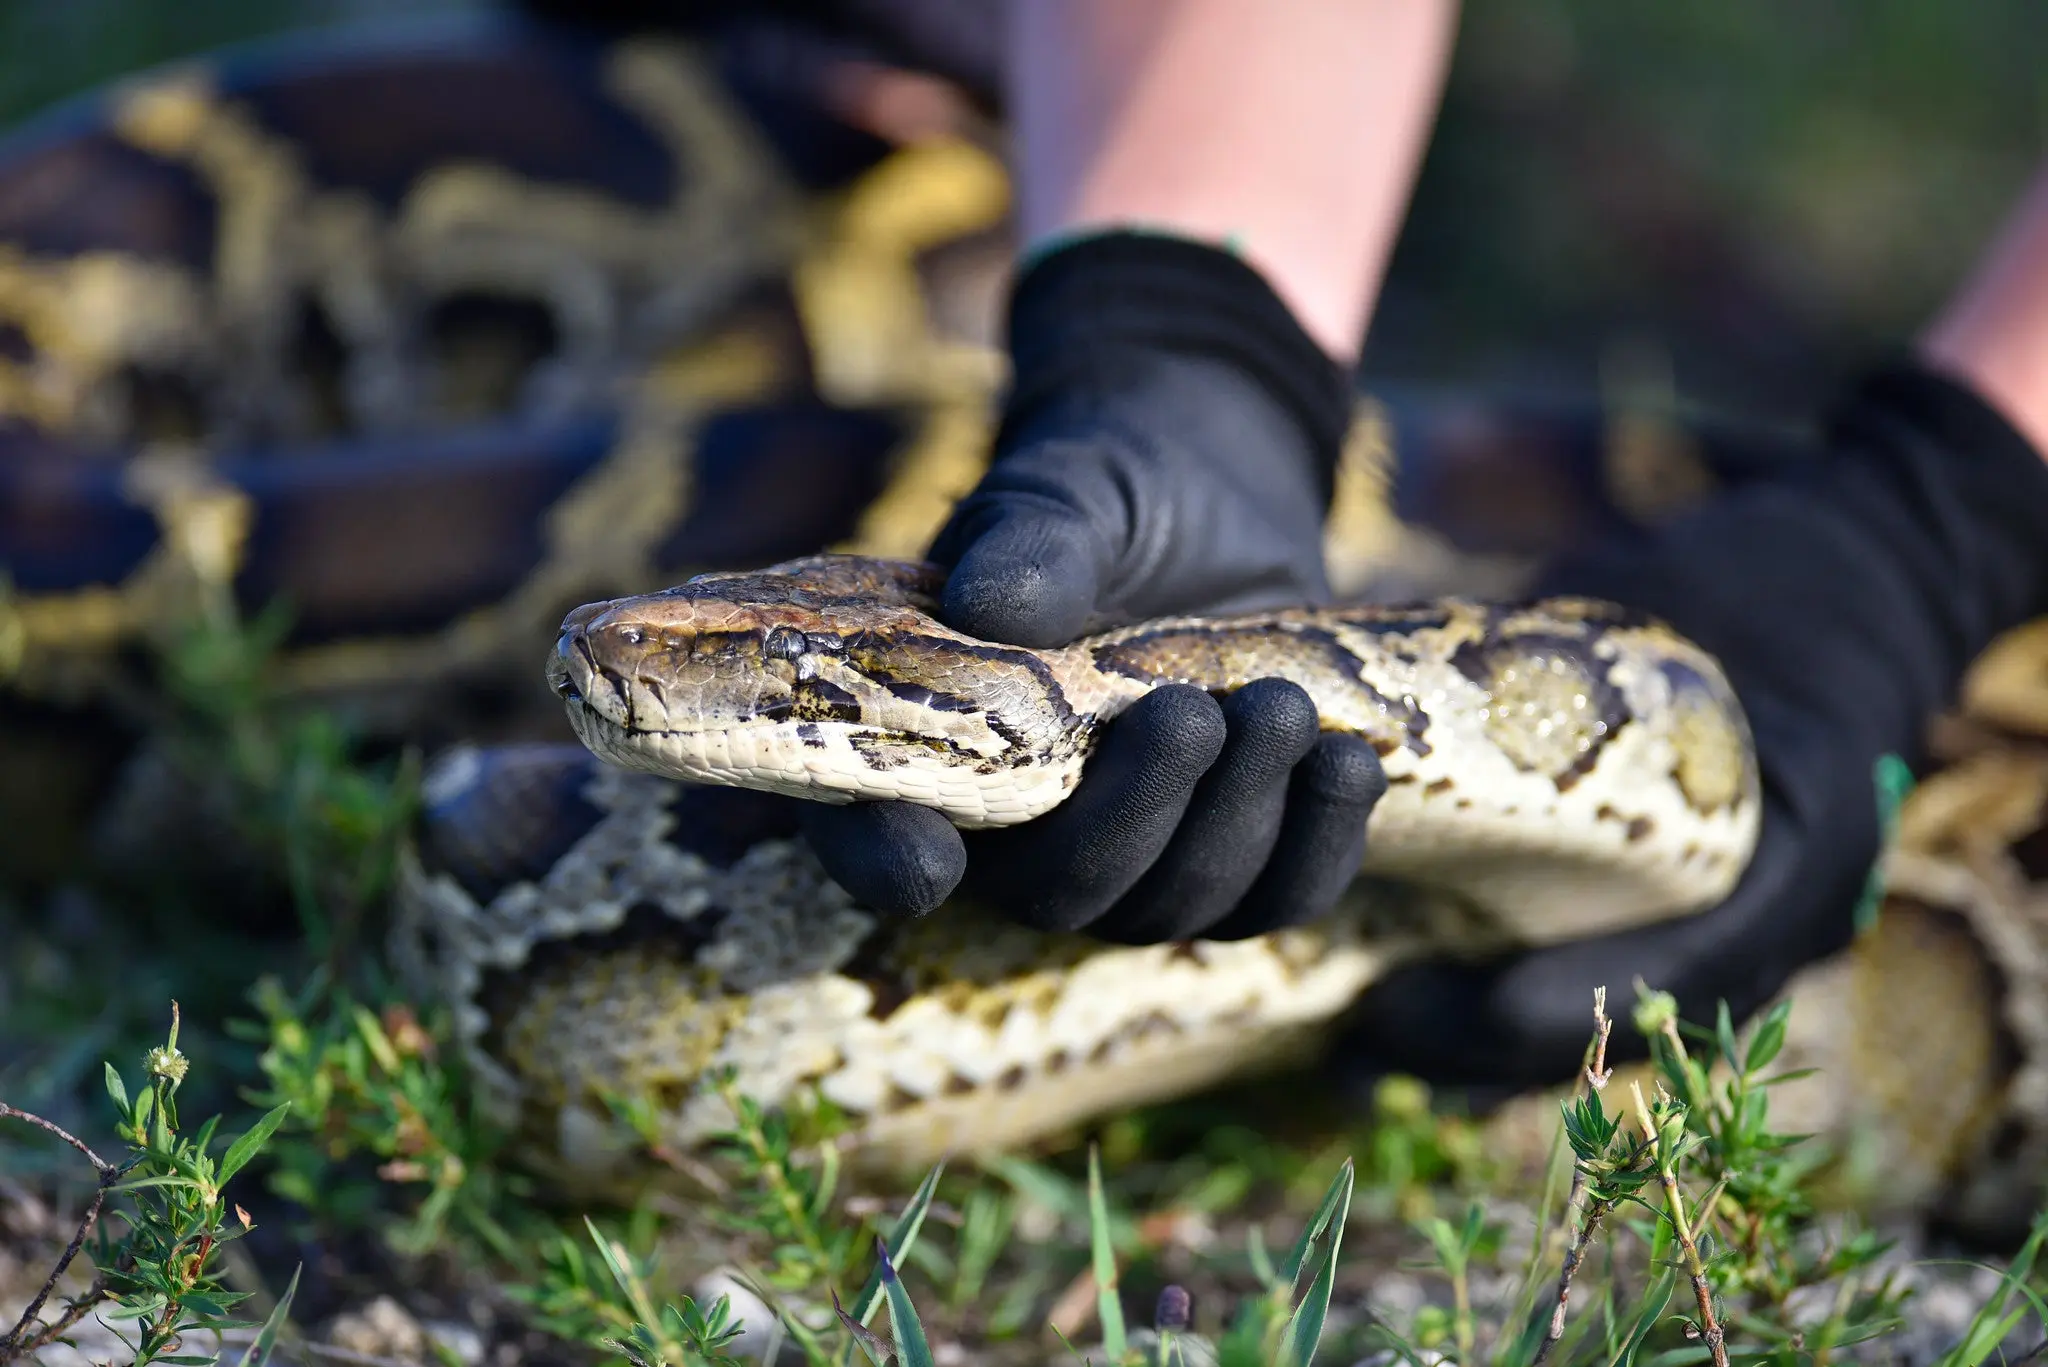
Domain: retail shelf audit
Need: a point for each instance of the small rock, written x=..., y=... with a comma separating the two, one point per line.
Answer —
x=24, y=1215
x=1396, y=1297
x=383, y=1328
x=1035, y=1223
x=458, y=1340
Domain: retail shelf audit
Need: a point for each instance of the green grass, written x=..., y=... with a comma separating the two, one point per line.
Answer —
x=1706, y=1234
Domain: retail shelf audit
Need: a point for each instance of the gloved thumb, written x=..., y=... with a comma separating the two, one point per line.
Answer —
x=1027, y=561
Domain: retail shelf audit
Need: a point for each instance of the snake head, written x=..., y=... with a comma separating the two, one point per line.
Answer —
x=825, y=678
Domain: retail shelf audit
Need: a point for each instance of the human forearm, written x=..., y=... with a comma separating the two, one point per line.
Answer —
x=1993, y=332
x=1292, y=129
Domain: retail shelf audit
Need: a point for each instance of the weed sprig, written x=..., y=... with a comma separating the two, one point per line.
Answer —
x=160, y=1276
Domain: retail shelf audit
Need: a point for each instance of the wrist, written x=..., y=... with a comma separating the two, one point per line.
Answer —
x=1092, y=310
x=1856, y=588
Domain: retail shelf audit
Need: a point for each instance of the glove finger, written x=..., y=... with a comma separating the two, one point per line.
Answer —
x=1026, y=566
x=1322, y=839
x=1061, y=871
x=1231, y=823
x=897, y=858
x=1525, y=1022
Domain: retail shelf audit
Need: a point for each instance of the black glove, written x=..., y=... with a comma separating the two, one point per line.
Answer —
x=1169, y=446
x=1845, y=598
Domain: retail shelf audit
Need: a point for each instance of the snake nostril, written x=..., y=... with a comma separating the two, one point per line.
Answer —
x=561, y=673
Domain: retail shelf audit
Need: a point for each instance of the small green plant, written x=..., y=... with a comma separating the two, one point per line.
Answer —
x=1723, y=1198
x=160, y=1275
x=383, y=1128
x=616, y=1310
x=783, y=1199
x=1456, y=1248
x=1279, y=1326
x=327, y=823
x=606, y=1302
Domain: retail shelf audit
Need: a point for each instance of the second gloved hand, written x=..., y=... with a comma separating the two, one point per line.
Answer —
x=1845, y=598
x=1169, y=446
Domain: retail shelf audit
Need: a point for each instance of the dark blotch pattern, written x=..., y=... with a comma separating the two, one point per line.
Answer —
x=816, y=700
x=922, y=696
x=1224, y=661
x=1546, y=668
x=523, y=811
x=885, y=750
x=719, y=825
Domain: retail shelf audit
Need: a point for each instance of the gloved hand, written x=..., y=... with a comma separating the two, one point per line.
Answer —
x=1169, y=445
x=1845, y=599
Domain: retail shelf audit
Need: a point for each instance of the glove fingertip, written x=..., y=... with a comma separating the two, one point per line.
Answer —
x=895, y=857
x=1028, y=581
x=1280, y=709
x=1344, y=770
x=1177, y=728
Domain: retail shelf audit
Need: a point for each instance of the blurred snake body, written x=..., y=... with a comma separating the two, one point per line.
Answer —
x=436, y=331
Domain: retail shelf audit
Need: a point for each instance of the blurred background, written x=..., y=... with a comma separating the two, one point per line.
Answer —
x=1738, y=199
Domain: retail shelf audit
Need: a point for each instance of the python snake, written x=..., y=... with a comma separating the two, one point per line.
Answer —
x=1555, y=769
x=441, y=330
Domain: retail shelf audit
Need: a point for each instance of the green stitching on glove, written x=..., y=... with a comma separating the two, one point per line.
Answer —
x=1894, y=781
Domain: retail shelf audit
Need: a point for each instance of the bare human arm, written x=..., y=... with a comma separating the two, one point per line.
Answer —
x=1292, y=129
x=1993, y=333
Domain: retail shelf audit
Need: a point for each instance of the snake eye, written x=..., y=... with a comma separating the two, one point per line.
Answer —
x=783, y=643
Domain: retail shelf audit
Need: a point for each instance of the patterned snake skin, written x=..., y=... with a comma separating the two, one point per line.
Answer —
x=437, y=332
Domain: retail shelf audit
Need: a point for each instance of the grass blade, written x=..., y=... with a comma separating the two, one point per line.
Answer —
x=901, y=1237
x=878, y=1349
x=1654, y=1301
x=1109, y=1304
x=622, y=1274
x=1305, y=1329
x=1992, y=1323
x=265, y=1341
x=911, y=1348
x=1261, y=1261
x=1340, y=1190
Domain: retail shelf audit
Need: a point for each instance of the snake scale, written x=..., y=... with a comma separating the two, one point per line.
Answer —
x=440, y=332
